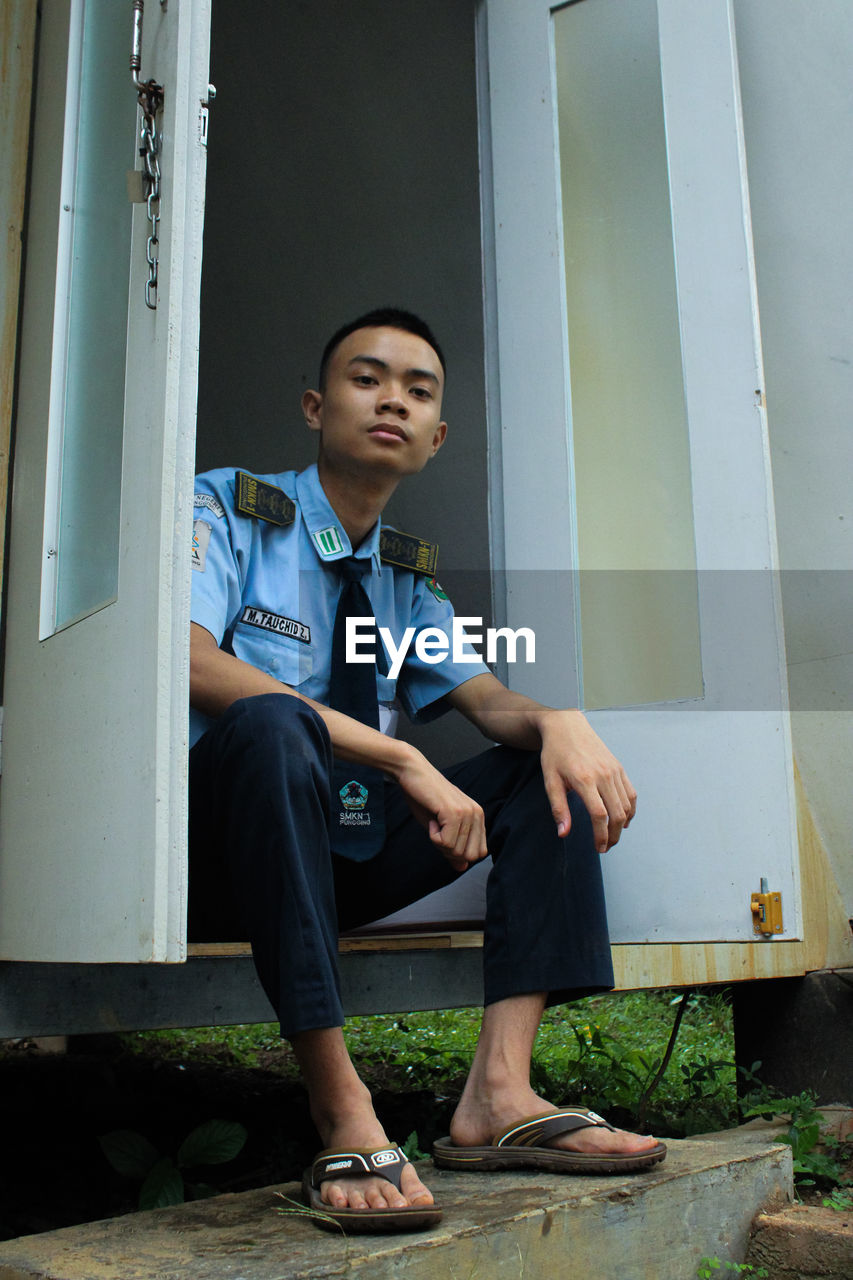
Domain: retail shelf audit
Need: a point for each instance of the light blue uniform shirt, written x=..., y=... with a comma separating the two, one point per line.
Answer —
x=269, y=593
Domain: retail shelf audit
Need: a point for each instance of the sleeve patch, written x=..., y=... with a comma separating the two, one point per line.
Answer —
x=208, y=500
x=264, y=501
x=201, y=537
x=408, y=552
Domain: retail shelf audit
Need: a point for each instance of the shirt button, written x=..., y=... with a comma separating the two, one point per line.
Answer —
x=273, y=664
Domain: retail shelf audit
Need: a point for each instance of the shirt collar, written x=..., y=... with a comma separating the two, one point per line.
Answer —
x=328, y=536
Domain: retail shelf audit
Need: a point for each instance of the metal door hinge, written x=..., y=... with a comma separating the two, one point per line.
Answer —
x=766, y=908
x=204, y=114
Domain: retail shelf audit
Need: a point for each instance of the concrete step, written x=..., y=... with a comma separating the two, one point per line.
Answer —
x=650, y=1226
x=803, y=1242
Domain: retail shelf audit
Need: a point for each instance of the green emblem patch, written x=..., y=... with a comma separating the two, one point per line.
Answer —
x=328, y=541
x=436, y=589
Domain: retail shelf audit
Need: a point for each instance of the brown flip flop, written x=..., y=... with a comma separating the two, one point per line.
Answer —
x=521, y=1146
x=384, y=1162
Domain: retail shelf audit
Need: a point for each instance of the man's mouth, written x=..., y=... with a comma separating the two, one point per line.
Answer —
x=388, y=430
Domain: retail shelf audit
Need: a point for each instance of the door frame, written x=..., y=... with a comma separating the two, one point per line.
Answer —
x=111, y=888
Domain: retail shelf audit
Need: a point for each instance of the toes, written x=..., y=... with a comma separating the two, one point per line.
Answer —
x=376, y=1192
x=376, y=1195
x=386, y=1196
x=422, y=1197
x=336, y=1197
x=414, y=1189
x=609, y=1142
x=635, y=1141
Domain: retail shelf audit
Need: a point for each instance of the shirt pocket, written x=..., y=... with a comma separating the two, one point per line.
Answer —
x=281, y=656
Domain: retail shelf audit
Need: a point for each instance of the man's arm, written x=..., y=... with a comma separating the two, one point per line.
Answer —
x=454, y=821
x=573, y=756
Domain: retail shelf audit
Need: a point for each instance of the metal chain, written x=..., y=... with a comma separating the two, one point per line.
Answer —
x=150, y=100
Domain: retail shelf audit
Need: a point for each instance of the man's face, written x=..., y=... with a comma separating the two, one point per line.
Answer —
x=381, y=407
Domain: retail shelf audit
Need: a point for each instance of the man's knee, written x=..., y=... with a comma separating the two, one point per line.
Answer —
x=270, y=728
x=272, y=715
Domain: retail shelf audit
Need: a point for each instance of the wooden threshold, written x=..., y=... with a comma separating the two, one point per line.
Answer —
x=426, y=941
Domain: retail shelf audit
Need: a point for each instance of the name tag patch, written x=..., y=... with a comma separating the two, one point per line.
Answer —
x=208, y=500
x=275, y=622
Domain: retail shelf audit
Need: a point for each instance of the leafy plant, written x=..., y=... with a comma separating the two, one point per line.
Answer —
x=811, y=1164
x=163, y=1183
x=707, y=1266
x=840, y=1200
x=651, y=1082
x=410, y=1148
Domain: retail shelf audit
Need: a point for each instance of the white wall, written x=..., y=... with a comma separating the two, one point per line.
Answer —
x=795, y=61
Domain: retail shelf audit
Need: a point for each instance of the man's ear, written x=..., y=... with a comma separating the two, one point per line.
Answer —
x=438, y=438
x=312, y=403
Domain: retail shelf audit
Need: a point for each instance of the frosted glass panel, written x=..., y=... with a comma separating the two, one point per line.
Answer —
x=638, y=598
x=90, y=491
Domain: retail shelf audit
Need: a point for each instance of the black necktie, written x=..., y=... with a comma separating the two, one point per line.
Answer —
x=357, y=801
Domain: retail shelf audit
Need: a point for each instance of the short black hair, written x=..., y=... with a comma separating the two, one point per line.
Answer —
x=381, y=318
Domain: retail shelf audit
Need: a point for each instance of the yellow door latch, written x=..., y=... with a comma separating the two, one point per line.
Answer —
x=766, y=911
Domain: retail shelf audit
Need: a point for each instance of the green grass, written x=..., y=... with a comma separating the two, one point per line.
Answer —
x=601, y=1052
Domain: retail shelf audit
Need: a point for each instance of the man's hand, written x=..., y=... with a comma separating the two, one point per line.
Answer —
x=574, y=758
x=455, y=822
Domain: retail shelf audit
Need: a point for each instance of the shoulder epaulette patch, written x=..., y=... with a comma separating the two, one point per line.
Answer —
x=264, y=501
x=408, y=552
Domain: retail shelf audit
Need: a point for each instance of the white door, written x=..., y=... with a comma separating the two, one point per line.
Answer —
x=92, y=813
x=637, y=505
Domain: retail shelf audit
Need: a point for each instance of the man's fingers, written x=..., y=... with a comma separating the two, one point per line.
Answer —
x=462, y=835
x=620, y=801
x=555, y=789
x=600, y=819
x=443, y=832
x=475, y=847
x=631, y=796
x=575, y=759
x=470, y=843
x=609, y=803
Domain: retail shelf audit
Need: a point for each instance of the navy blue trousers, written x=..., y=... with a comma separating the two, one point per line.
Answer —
x=261, y=867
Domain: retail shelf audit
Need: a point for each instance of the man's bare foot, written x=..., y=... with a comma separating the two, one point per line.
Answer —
x=365, y=1133
x=342, y=1110
x=478, y=1119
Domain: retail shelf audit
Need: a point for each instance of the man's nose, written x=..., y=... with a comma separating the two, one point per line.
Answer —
x=391, y=401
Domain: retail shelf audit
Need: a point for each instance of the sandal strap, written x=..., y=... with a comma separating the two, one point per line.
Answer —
x=538, y=1130
x=386, y=1162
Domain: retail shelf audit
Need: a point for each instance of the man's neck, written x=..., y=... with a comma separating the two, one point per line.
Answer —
x=356, y=500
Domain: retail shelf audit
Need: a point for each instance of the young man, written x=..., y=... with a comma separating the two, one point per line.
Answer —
x=322, y=820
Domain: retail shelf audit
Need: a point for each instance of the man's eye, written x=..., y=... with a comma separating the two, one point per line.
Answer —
x=423, y=393
x=364, y=379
